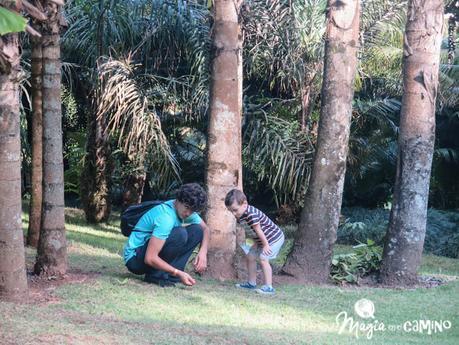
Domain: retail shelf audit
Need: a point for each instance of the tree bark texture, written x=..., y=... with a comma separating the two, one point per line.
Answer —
x=224, y=170
x=407, y=225
x=133, y=189
x=37, y=144
x=311, y=255
x=52, y=247
x=96, y=177
x=13, y=281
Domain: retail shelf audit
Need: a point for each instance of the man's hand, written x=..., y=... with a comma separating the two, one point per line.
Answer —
x=186, y=278
x=267, y=250
x=200, y=262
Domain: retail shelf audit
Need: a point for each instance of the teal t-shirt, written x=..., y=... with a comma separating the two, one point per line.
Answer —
x=158, y=222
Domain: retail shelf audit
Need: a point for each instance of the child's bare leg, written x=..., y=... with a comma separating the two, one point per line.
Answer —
x=267, y=271
x=252, y=269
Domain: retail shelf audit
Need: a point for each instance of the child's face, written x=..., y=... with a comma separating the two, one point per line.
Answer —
x=237, y=210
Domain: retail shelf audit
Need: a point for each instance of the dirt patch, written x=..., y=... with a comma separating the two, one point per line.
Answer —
x=41, y=288
x=73, y=339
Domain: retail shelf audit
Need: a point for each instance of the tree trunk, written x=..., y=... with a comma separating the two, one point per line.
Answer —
x=308, y=94
x=13, y=281
x=407, y=225
x=96, y=180
x=52, y=247
x=95, y=183
x=305, y=105
x=37, y=144
x=311, y=255
x=133, y=190
x=224, y=170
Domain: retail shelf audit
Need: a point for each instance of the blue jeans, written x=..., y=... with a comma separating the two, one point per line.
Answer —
x=176, y=251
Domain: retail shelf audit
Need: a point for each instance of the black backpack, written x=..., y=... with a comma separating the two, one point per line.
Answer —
x=133, y=213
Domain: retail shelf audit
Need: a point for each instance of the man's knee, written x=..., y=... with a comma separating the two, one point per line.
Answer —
x=178, y=236
x=195, y=231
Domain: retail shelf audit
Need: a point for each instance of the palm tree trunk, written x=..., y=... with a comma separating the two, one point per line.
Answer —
x=407, y=225
x=311, y=256
x=224, y=133
x=37, y=144
x=305, y=105
x=52, y=247
x=96, y=181
x=133, y=189
x=96, y=177
x=13, y=282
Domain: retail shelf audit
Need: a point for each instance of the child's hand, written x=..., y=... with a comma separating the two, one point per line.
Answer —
x=267, y=250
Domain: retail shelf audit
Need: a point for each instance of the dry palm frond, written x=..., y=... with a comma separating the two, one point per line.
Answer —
x=131, y=116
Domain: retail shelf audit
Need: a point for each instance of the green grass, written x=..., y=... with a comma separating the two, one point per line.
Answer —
x=114, y=307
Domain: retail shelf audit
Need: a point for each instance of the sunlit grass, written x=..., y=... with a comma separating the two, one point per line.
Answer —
x=113, y=306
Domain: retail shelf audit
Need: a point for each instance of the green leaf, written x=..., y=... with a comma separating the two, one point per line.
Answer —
x=350, y=278
x=11, y=22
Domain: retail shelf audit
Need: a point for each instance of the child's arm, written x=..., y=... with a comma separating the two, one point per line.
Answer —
x=262, y=237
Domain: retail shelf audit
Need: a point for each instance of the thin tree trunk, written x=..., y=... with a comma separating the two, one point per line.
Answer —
x=305, y=104
x=453, y=19
x=311, y=255
x=37, y=144
x=96, y=177
x=407, y=225
x=96, y=181
x=133, y=189
x=52, y=247
x=13, y=281
x=224, y=143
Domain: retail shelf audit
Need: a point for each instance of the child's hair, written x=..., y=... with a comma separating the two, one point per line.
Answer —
x=193, y=196
x=234, y=195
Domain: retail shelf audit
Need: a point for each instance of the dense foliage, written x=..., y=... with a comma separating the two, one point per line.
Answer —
x=160, y=51
x=442, y=232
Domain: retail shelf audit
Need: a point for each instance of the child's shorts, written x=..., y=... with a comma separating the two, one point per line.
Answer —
x=275, y=248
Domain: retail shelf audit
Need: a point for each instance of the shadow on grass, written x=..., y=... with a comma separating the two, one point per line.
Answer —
x=111, y=245
x=111, y=226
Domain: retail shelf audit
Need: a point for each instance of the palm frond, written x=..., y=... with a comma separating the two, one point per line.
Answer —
x=379, y=15
x=131, y=116
x=94, y=30
x=447, y=155
x=277, y=151
x=283, y=42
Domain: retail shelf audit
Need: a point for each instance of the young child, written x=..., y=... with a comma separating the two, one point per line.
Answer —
x=268, y=242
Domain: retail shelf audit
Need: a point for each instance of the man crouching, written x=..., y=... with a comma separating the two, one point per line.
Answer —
x=164, y=238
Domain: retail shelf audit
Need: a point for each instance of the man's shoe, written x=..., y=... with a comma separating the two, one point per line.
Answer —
x=174, y=279
x=158, y=281
x=246, y=285
x=266, y=290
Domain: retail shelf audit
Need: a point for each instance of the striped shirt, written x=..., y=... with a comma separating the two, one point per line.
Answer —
x=253, y=216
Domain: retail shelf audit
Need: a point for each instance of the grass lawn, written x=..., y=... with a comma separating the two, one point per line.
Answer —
x=104, y=304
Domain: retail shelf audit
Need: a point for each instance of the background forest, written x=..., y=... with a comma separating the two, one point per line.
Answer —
x=161, y=51
x=155, y=137
x=326, y=109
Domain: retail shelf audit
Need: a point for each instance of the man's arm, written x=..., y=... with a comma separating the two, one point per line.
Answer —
x=152, y=259
x=200, y=262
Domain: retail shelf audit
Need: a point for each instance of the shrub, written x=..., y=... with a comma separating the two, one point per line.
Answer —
x=349, y=268
x=442, y=232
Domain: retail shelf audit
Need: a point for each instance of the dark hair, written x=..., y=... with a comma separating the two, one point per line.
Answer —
x=235, y=195
x=193, y=196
